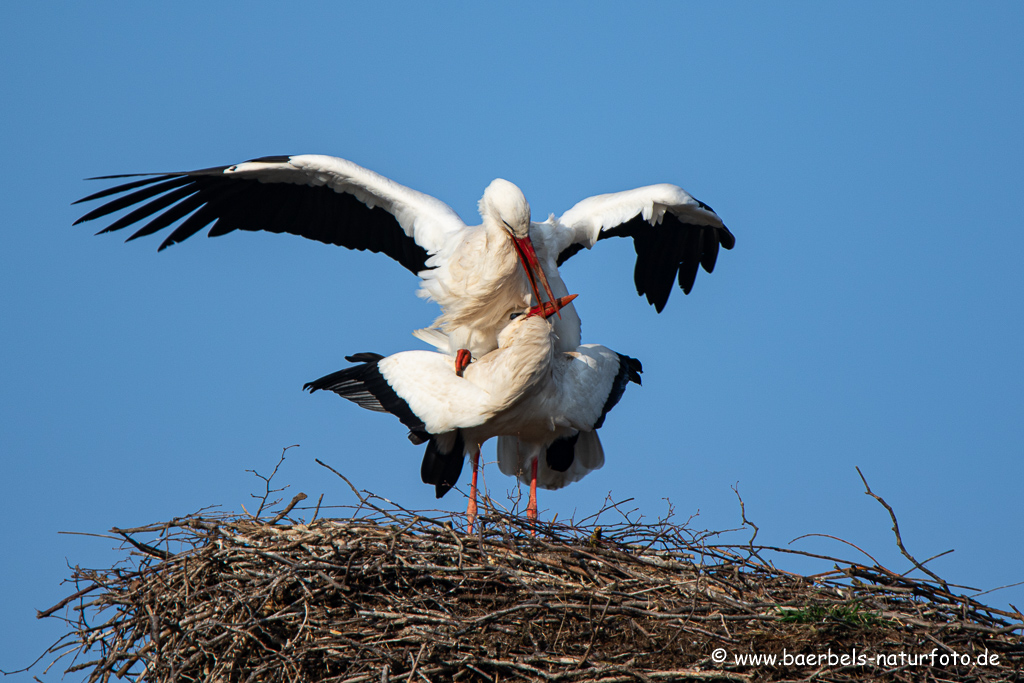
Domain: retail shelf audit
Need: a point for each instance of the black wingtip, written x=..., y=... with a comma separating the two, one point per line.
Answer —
x=669, y=251
x=313, y=386
x=634, y=368
x=364, y=357
x=656, y=298
x=727, y=239
x=330, y=380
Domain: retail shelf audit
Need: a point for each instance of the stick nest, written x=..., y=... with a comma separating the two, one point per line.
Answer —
x=393, y=595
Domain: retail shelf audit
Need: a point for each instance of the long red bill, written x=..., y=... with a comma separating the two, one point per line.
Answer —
x=528, y=258
x=549, y=308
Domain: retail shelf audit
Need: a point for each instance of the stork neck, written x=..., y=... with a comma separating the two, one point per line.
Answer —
x=527, y=353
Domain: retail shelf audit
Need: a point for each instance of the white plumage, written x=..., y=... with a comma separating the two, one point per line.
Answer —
x=525, y=389
x=477, y=274
x=472, y=272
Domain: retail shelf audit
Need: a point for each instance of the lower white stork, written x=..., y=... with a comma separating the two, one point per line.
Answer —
x=472, y=272
x=551, y=401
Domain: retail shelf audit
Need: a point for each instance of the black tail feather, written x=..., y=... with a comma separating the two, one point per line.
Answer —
x=562, y=452
x=442, y=464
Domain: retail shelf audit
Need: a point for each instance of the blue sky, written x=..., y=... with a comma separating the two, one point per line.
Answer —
x=866, y=156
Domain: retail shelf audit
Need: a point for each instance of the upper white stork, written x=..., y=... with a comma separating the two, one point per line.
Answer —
x=552, y=401
x=471, y=272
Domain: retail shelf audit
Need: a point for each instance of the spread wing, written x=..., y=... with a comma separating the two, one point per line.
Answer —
x=322, y=198
x=672, y=232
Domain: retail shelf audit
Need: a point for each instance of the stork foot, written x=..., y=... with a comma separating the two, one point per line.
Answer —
x=462, y=359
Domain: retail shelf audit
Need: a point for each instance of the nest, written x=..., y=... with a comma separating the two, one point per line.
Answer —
x=394, y=595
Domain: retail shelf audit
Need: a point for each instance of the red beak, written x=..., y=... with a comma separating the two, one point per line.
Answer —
x=549, y=308
x=528, y=257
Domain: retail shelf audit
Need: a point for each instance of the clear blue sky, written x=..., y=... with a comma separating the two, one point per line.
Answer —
x=867, y=156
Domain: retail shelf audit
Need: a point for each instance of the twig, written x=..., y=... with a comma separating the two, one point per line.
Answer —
x=896, y=531
x=148, y=549
x=267, y=480
x=295, y=501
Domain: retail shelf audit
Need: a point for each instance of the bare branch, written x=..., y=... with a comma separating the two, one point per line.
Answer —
x=896, y=531
x=295, y=501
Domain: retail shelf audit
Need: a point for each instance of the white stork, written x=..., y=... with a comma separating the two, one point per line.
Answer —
x=471, y=272
x=552, y=401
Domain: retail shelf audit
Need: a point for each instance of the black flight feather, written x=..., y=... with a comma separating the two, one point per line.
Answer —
x=365, y=386
x=236, y=203
x=666, y=252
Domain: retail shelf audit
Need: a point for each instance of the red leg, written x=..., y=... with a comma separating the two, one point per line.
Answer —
x=531, y=507
x=471, y=508
x=462, y=359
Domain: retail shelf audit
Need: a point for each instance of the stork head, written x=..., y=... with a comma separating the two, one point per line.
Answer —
x=504, y=205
